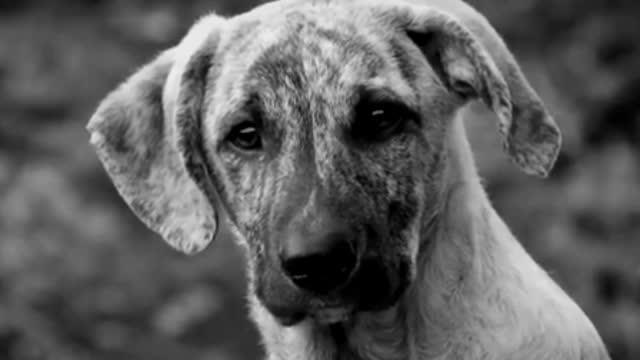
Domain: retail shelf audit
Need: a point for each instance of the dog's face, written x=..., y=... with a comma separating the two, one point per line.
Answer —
x=325, y=143
x=320, y=131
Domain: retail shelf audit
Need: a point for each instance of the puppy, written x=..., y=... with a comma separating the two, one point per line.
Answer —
x=329, y=135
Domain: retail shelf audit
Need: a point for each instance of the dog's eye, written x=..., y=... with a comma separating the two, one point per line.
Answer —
x=246, y=136
x=384, y=121
x=380, y=122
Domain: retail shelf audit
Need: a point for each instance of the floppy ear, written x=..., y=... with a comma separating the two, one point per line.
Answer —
x=146, y=135
x=476, y=64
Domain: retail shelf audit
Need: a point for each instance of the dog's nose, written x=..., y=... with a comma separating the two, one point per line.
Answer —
x=324, y=266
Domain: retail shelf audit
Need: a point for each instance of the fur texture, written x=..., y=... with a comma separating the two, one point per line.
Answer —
x=440, y=276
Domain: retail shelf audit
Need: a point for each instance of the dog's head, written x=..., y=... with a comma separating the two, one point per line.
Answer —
x=319, y=131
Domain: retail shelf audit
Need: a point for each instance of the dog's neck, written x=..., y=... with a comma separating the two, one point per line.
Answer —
x=456, y=305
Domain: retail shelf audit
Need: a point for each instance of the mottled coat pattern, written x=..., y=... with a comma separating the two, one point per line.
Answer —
x=449, y=279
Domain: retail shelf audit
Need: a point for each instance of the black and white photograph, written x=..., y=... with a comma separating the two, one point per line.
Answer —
x=319, y=180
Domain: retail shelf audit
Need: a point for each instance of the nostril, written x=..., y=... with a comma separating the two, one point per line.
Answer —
x=322, y=272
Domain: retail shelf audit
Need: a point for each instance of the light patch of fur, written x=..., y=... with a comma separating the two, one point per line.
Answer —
x=304, y=341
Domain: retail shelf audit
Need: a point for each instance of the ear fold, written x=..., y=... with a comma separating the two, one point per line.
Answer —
x=144, y=134
x=476, y=63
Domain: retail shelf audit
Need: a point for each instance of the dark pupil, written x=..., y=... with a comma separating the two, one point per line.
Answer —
x=382, y=119
x=246, y=137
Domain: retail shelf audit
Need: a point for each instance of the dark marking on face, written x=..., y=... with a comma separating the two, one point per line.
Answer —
x=405, y=62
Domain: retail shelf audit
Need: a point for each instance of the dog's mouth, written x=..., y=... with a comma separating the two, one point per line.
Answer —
x=332, y=315
x=375, y=287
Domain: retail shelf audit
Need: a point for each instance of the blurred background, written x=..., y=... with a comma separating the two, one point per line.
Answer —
x=81, y=278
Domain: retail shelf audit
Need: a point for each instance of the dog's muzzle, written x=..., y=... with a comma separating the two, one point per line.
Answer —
x=327, y=269
x=330, y=293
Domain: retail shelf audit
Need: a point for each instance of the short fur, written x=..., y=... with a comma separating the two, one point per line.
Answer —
x=451, y=281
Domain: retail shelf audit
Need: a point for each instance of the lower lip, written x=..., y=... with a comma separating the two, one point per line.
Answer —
x=329, y=316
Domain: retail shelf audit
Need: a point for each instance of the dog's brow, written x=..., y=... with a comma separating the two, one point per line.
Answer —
x=248, y=109
x=374, y=94
x=381, y=89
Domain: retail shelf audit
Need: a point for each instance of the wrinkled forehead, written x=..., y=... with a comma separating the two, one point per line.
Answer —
x=316, y=54
x=323, y=40
x=323, y=47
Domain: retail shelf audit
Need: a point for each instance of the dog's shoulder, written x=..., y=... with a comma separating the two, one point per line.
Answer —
x=508, y=307
x=533, y=315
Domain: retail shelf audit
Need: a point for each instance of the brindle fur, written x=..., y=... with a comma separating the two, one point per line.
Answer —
x=453, y=282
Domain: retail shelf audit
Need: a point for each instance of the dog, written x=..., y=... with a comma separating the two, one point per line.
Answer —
x=329, y=136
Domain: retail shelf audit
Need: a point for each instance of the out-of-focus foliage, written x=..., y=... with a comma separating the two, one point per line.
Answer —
x=81, y=278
